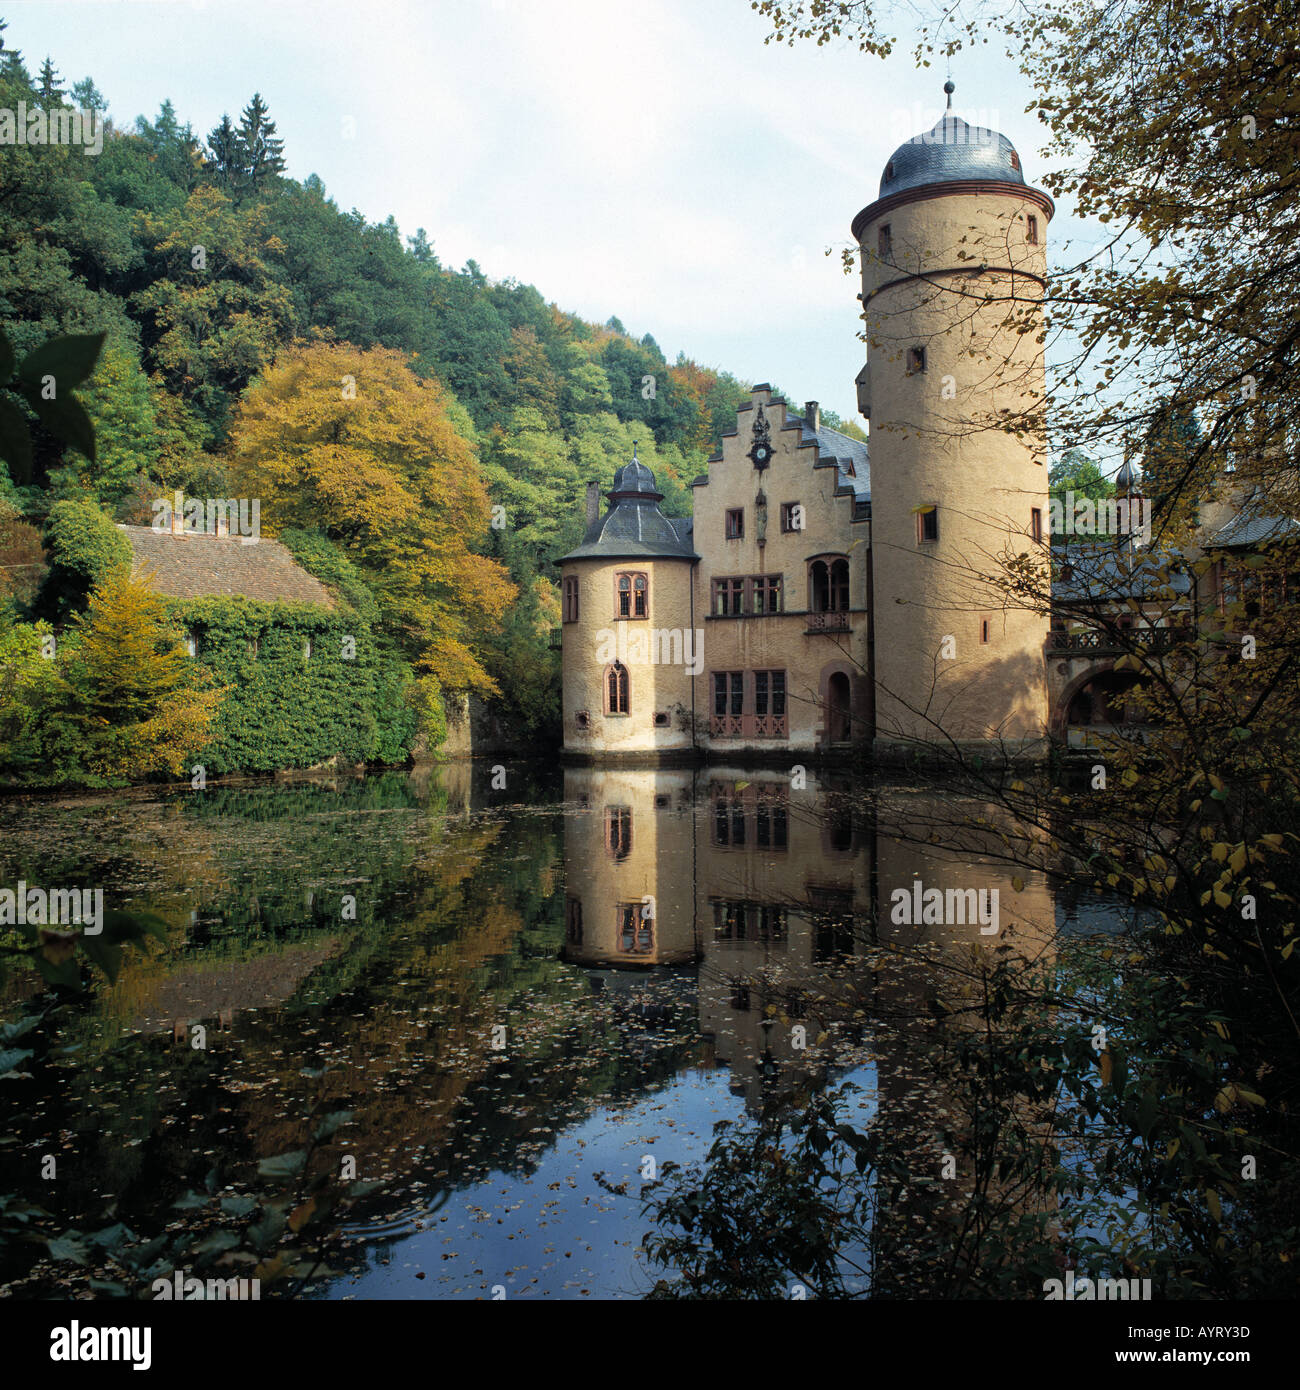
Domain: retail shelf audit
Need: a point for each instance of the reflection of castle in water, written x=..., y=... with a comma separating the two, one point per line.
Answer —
x=769, y=882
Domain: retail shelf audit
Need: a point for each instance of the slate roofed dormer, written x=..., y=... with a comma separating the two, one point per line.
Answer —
x=634, y=526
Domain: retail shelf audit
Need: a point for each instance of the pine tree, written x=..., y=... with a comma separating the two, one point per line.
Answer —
x=226, y=154
x=87, y=97
x=50, y=93
x=11, y=61
x=263, y=152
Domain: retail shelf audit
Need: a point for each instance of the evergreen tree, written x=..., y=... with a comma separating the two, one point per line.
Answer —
x=49, y=93
x=87, y=97
x=262, y=151
x=226, y=155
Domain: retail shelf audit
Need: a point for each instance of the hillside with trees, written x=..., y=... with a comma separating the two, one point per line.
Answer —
x=432, y=427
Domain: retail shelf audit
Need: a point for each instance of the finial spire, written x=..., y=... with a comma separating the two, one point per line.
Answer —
x=634, y=451
x=950, y=87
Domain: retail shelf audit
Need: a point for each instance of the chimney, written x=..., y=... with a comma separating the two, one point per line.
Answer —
x=812, y=413
x=593, y=503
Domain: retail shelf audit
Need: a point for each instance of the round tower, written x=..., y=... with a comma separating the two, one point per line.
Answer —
x=953, y=267
x=629, y=644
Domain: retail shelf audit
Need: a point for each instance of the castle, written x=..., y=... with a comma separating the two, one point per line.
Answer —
x=826, y=593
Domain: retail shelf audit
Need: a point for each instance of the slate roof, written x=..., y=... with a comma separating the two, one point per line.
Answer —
x=1251, y=528
x=1105, y=571
x=951, y=149
x=197, y=566
x=634, y=527
x=831, y=444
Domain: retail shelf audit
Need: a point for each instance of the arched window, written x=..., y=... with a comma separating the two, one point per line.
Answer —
x=828, y=585
x=571, y=598
x=616, y=691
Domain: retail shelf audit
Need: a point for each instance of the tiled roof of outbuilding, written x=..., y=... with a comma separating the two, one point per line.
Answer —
x=199, y=566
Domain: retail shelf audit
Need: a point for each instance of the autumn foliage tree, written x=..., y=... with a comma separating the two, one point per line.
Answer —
x=127, y=703
x=355, y=445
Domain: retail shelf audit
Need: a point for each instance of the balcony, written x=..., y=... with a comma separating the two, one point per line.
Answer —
x=1094, y=642
x=749, y=726
x=827, y=622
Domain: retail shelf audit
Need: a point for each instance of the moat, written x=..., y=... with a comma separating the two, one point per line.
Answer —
x=499, y=1010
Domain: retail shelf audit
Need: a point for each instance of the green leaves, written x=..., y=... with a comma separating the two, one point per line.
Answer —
x=45, y=381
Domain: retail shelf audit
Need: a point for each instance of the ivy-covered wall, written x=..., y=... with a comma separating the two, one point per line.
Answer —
x=352, y=697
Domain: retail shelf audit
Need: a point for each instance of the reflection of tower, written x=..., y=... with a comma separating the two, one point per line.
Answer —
x=629, y=872
x=929, y=998
x=953, y=260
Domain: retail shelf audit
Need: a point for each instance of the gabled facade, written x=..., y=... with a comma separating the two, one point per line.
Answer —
x=744, y=629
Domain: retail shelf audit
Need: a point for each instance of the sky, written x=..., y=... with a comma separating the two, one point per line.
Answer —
x=655, y=162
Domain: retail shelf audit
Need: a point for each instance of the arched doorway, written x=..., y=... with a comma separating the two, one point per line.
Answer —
x=1100, y=698
x=839, y=708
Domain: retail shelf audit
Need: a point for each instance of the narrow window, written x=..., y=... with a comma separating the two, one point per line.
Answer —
x=624, y=590
x=1036, y=523
x=889, y=171
x=616, y=692
x=618, y=831
x=571, y=599
x=985, y=627
x=1031, y=236
x=573, y=921
x=640, y=595
x=884, y=243
x=927, y=524
x=915, y=360
x=791, y=517
x=735, y=523
x=582, y=719
x=1015, y=160
x=819, y=586
x=839, y=586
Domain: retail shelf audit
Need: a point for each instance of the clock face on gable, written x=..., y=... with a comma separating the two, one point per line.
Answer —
x=761, y=454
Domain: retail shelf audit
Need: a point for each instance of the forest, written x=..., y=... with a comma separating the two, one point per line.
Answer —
x=425, y=427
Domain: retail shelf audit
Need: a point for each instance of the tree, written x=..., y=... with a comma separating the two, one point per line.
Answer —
x=226, y=155
x=262, y=152
x=128, y=697
x=87, y=97
x=49, y=93
x=85, y=549
x=354, y=444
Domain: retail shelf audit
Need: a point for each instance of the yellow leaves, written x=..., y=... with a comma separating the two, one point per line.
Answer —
x=1237, y=860
x=1233, y=1094
x=1172, y=1150
x=1272, y=841
x=1018, y=884
x=1107, y=1065
x=1219, y=853
x=1215, y=1206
